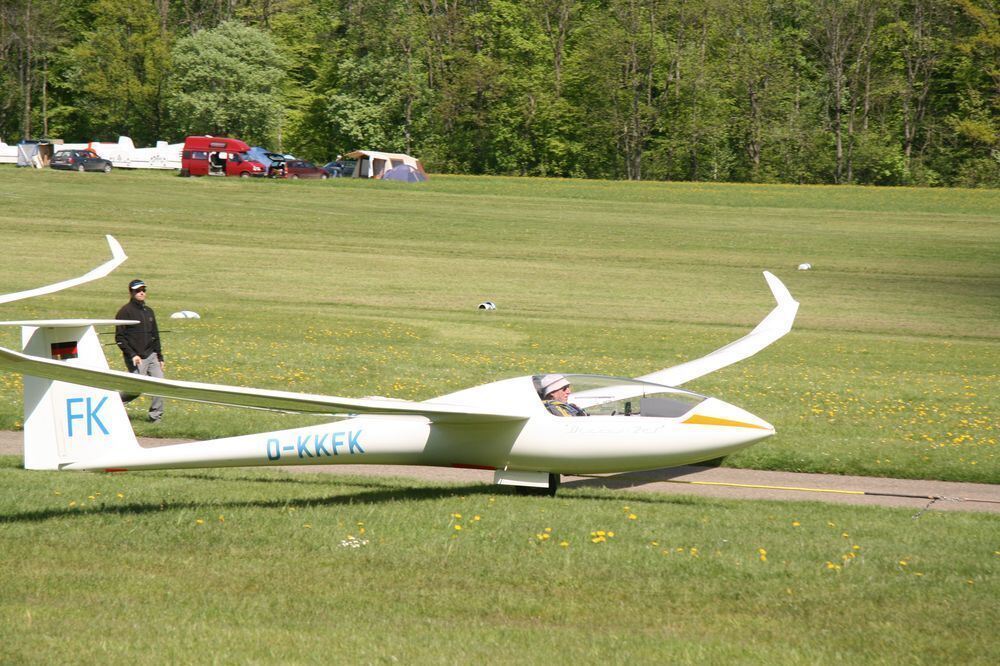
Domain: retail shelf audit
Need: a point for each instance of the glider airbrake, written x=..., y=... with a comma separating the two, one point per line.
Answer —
x=74, y=418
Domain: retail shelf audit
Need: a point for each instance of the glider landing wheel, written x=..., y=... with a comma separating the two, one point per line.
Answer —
x=549, y=491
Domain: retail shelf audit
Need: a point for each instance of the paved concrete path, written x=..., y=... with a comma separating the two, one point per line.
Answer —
x=722, y=482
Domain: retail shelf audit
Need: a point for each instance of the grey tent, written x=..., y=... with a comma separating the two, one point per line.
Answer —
x=28, y=155
x=405, y=173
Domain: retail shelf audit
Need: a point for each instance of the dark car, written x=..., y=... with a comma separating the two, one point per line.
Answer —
x=80, y=160
x=303, y=169
x=340, y=168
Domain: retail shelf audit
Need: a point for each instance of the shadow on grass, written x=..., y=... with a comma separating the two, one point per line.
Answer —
x=364, y=497
x=372, y=493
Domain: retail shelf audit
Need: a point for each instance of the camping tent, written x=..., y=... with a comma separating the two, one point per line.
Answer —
x=373, y=164
x=405, y=173
x=34, y=154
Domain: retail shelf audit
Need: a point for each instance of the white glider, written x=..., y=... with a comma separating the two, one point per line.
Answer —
x=117, y=257
x=75, y=420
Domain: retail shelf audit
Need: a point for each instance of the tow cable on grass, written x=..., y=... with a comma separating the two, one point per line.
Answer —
x=872, y=493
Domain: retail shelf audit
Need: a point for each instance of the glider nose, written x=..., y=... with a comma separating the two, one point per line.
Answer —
x=716, y=412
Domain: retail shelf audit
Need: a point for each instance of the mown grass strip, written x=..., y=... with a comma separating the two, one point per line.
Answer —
x=367, y=288
x=242, y=565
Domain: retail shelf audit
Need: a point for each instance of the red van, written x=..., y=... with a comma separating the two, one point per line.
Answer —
x=218, y=156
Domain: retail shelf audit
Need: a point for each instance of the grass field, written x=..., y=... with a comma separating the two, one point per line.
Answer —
x=369, y=288
x=360, y=288
x=264, y=567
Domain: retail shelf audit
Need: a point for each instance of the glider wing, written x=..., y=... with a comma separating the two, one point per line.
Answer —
x=281, y=401
x=777, y=323
x=117, y=257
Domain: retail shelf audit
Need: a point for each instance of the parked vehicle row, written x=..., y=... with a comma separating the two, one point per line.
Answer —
x=221, y=156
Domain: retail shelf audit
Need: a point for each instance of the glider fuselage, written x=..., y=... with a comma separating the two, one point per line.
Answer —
x=543, y=442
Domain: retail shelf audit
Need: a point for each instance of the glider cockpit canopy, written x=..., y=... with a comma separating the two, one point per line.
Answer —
x=618, y=396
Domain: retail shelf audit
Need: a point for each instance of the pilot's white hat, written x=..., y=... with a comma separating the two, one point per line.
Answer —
x=552, y=383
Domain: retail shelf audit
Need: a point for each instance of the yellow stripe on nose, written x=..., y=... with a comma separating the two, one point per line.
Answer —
x=699, y=419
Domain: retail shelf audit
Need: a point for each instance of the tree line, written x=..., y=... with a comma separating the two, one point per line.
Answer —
x=797, y=91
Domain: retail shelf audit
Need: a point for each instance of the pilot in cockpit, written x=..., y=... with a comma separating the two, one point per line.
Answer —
x=554, y=391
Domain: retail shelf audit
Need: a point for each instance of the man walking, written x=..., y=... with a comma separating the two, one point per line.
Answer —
x=140, y=343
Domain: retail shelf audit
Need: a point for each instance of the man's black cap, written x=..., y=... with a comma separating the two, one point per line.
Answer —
x=136, y=285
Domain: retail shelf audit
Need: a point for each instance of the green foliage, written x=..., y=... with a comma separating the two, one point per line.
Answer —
x=227, y=81
x=117, y=73
x=859, y=91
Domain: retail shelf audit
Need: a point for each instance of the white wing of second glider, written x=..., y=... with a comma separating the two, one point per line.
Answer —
x=117, y=257
x=777, y=323
x=282, y=401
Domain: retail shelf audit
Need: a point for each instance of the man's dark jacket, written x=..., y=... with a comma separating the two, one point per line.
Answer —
x=140, y=339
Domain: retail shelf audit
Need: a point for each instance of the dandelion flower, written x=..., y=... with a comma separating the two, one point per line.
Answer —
x=199, y=522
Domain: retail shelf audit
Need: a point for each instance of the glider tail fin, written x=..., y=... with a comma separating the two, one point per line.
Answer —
x=66, y=423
